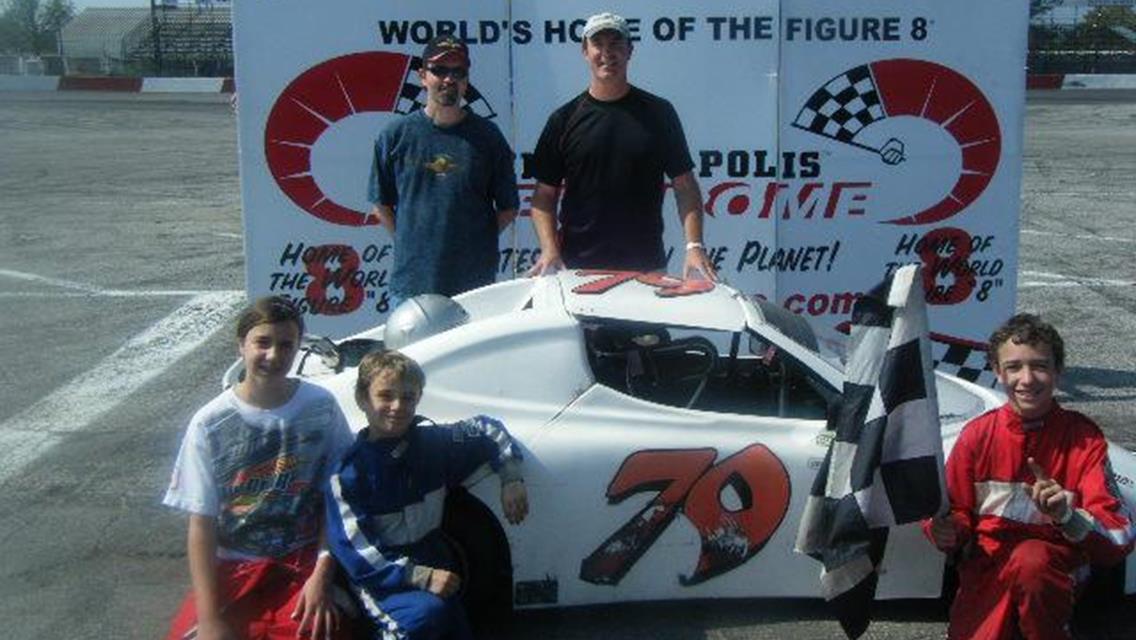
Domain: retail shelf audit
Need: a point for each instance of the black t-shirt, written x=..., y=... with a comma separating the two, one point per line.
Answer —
x=611, y=157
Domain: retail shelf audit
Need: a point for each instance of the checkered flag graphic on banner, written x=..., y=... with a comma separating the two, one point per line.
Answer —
x=843, y=106
x=963, y=358
x=885, y=464
x=412, y=96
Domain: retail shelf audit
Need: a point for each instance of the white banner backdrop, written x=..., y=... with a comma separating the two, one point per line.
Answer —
x=913, y=112
x=724, y=89
x=832, y=142
x=316, y=83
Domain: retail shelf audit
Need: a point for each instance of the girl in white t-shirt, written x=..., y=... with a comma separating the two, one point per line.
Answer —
x=250, y=473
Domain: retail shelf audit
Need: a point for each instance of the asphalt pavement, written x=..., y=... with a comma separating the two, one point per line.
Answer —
x=121, y=265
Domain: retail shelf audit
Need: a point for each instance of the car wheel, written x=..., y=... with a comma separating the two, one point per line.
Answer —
x=1100, y=596
x=483, y=558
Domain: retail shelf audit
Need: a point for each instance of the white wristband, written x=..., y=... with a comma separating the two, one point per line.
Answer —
x=694, y=245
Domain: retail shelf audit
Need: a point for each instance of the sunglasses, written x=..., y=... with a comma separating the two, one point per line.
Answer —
x=457, y=73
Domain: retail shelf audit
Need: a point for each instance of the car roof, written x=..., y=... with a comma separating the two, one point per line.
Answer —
x=652, y=298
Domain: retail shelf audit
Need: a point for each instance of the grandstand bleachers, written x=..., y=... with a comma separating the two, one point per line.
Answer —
x=193, y=39
x=92, y=40
x=190, y=40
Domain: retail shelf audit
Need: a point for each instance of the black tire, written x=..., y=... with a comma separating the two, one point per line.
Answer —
x=485, y=564
x=1103, y=592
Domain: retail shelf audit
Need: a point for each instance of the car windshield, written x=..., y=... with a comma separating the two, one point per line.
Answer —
x=704, y=370
x=794, y=327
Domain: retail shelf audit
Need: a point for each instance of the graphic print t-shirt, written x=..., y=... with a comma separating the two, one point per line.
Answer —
x=260, y=472
x=447, y=185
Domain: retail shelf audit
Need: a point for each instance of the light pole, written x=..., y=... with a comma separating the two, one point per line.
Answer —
x=156, y=38
x=59, y=50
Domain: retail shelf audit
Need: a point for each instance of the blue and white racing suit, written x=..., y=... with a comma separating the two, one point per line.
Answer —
x=384, y=517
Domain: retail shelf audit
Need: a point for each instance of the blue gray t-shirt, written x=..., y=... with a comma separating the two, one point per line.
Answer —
x=446, y=185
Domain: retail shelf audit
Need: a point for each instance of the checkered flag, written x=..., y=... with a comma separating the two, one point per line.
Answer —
x=843, y=106
x=476, y=103
x=412, y=96
x=885, y=464
x=963, y=358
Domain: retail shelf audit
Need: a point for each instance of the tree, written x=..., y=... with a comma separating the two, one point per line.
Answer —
x=55, y=14
x=1039, y=7
x=29, y=26
x=1108, y=28
x=1104, y=18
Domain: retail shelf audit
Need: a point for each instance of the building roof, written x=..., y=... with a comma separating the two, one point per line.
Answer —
x=99, y=32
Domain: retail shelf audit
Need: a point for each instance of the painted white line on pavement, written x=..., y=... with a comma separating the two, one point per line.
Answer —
x=81, y=290
x=1068, y=284
x=1047, y=279
x=79, y=403
x=113, y=293
x=56, y=282
x=225, y=234
x=1082, y=236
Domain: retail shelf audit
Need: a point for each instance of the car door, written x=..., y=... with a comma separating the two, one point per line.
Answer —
x=638, y=499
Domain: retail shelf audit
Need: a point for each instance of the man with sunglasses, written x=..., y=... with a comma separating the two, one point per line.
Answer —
x=611, y=146
x=442, y=183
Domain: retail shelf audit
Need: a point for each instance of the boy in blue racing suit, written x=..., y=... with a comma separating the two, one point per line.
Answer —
x=385, y=501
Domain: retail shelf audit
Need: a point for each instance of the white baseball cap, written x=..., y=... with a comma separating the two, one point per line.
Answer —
x=605, y=21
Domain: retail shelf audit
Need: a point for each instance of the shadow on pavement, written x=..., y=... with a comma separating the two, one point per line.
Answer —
x=1084, y=384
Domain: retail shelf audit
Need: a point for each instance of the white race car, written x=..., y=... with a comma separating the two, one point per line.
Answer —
x=648, y=410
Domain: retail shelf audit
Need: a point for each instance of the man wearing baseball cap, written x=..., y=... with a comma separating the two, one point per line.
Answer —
x=611, y=147
x=442, y=183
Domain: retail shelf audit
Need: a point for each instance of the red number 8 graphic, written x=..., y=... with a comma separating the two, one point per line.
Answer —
x=344, y=276
x=955, y=264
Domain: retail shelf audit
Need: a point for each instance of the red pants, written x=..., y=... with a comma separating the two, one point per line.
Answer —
x=259, y=599
x=1028, y=593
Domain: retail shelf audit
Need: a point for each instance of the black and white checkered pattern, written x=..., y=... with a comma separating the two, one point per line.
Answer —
x=963, y=359
x=885, y=465
x=843, y=106
x=412, y=96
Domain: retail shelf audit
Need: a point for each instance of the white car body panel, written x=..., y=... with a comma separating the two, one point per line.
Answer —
x=523, y=357
x=579, y=453
x=1123, y=464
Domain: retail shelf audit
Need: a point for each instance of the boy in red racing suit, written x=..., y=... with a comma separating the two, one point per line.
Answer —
x=1033, y=501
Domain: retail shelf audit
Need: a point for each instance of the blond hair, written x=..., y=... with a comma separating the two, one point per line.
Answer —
x=377, y=363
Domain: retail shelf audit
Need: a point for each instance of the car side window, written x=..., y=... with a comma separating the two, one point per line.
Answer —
x=702, y=370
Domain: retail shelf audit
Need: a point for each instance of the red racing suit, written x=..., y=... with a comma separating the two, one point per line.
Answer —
x=1018, y=570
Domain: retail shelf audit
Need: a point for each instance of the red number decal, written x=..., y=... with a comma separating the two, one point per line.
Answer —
x=956, y=244
x=608, y=281
x=666, y=286
x=688, y=483
x=345, y=276
x=671, y=473
x=732, y=536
